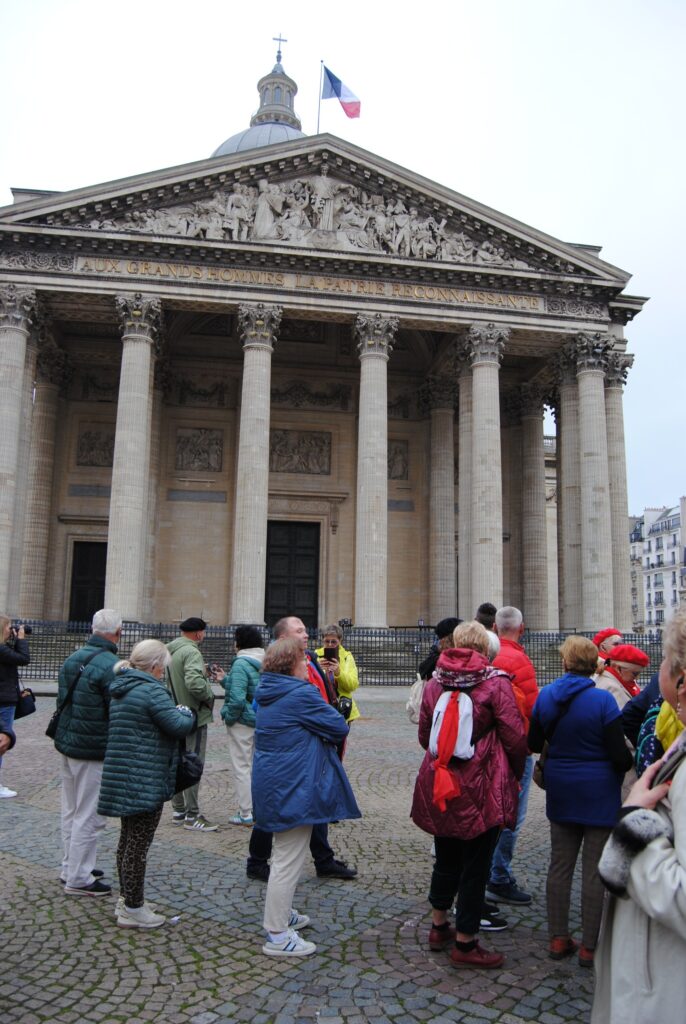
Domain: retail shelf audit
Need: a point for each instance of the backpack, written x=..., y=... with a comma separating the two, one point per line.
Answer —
x=464, y=748
x=414, y=702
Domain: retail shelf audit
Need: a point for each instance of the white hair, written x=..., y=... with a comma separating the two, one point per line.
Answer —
x=493, y=645
x=146, y=656
x=508, y=619
x=106, y=621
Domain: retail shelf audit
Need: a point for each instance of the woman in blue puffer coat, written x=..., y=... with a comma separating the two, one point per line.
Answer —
x=298, y=781
x=139, y=772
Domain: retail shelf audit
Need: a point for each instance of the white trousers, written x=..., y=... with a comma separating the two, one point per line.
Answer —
x=289, y=852
x=241, y=740
x=81, y=822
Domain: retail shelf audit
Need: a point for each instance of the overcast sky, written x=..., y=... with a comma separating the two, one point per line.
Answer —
x=565, y=114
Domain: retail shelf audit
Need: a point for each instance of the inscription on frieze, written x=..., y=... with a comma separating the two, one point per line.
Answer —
x=300, y=451
x=199, y=449
x=95, y=447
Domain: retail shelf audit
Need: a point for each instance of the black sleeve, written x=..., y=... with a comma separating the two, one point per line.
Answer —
x=615, y=745
x=635, y=711
x=19, y=655
x=536, y=737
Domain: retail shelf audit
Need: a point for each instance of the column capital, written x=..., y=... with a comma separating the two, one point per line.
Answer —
x=375, y=334
x=258, y=324
x=590, y=351
x=438, y=392
x=487, y=342
x=139, y=314
x=524, y=402
x=17, y=306
x=564, y=366
x=461, y=356
x=617, y=368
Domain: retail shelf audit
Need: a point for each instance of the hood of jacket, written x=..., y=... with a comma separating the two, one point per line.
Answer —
x=255, y=654
x=273, y=687
x=460, y=668
x=127, y=679
x=553, y=699
x=181, y=641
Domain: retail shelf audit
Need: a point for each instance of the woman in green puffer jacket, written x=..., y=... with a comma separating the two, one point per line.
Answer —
x=139, y=772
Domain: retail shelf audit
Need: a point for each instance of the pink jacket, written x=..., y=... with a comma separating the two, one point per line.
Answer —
x=488, y=781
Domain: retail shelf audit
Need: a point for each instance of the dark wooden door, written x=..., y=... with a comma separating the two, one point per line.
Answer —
x=292, y=572
x=87, y=580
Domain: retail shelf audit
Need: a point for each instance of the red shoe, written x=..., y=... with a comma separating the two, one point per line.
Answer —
x=477, y=957
x=561, y=946
x=439, y=938
x=586, y=956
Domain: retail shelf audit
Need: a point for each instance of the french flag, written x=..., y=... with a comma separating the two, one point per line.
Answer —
x=332, y=86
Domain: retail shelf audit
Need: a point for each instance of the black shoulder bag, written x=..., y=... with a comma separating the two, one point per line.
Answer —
x=51, y=730
x=191, y=766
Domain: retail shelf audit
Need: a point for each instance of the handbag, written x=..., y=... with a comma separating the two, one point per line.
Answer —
x=414, y=702
x=538, y=775
x=51, y=730
x=191, y=766
x=26, y=704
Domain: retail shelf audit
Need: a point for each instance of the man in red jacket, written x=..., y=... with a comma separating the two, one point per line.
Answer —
x=513, y=659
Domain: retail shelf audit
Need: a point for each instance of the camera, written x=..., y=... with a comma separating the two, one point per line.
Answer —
x=345, y=707
x=16, y=626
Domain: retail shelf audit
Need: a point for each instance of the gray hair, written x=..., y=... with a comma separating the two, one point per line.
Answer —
x=333, y=630
x=493, y=645
x=508, y=619
x=106, y=621
x=146, y=656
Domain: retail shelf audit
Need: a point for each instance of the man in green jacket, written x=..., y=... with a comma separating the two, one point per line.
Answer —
x=187, y=680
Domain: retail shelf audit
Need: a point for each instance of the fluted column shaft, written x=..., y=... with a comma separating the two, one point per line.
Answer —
x=465, y=605
x=534, y=526
x=153, y=487
x=375, y=336
x=442, y=582
x=128, y=527
x=569, y=491
x=488, y=342
x=596, y=534
x=259, y=326
x=618, y=366
x=16, y=307
x=20, y=497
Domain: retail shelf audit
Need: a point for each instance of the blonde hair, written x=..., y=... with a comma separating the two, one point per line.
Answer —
x=580, y=655
x=146, y=656
x=674, y=647
x=4, y=622
x=472, y=635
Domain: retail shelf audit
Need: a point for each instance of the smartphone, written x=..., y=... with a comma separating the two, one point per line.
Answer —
x=330, y=654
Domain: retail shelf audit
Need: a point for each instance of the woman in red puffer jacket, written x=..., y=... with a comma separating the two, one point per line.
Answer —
x=464, y=803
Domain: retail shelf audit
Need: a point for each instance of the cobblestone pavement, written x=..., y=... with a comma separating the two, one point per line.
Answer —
x=64, y=960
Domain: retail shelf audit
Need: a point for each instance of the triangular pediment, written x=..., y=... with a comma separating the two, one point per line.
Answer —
x=319, y=194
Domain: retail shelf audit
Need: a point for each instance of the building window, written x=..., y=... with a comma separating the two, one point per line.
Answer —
x=673, y=557
x=659, y=617
x=647, y=582
x=659, y=597
x=658, y=543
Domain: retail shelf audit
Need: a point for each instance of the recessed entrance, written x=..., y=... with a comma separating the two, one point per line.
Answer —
x=292, y=572
x=87, y=594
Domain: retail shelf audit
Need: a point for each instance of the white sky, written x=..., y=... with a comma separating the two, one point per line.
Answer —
x=566, y=114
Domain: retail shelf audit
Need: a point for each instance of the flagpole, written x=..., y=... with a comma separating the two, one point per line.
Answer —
x=319, y=102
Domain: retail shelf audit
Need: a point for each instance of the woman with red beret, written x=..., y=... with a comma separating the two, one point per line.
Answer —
x=622, y=667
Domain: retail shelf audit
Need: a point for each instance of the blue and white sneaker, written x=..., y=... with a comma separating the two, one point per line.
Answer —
x=292, y=945
x=297, y=920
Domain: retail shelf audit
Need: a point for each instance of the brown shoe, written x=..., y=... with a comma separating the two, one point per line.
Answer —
x=561, y=946
x=477, y=957
x=439, y=938
x=586, y=956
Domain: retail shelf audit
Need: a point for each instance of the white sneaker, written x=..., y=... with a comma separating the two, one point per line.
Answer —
x=297, y=920
x=6, y=793
x=119, y=909
x=292, y=945
x=139, y=917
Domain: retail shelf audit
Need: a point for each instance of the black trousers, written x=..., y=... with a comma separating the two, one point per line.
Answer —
x=260, y=849
x=461, y=869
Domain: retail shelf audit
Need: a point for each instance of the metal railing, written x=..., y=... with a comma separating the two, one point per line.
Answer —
x=384, y=657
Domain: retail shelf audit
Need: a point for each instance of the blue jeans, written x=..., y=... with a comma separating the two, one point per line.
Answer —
x=501, y=873
x=7, y=717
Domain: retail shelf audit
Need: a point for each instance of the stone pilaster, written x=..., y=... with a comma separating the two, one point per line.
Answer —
x=128, y=527
x=259, y=327
x=618, y=366
x=597, y=602
x=52, y=374
x=487, y=343
x=375, y=334
x=16, y=309
x=534, y=532
x=440, y=397
x=465, y=605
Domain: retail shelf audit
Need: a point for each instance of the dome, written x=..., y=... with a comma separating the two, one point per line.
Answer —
x=275, y=120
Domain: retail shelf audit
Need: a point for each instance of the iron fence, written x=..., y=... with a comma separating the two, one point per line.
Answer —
x=384, y=657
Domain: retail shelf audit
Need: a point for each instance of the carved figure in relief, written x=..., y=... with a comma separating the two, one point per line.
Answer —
x=199, y=450
x=322, y=193
x=269, y=206
x=238, y=215
x=398, y=460
x=300, y=451
x=294, y=222
x=95, y=448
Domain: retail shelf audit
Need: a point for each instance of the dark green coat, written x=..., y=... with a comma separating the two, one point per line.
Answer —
x=143, y=746
x=82, y=729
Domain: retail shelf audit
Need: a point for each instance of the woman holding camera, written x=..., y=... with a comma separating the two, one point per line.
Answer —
x=340, y=667
x=11, y=657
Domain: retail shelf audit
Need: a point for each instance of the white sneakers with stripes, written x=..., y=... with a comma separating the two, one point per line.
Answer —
x=293, y=944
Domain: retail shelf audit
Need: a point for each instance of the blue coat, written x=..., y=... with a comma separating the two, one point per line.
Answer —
x=297, y=776
x=582, y=786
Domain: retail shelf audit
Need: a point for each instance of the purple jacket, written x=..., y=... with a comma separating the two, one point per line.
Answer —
x=488, y=781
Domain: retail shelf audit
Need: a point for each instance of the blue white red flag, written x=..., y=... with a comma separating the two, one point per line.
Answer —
x=332, y=86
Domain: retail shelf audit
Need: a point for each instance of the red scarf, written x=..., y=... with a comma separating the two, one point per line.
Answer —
x=446, y=786
x=632, y=688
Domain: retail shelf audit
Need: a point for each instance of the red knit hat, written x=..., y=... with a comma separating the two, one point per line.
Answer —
x=604, y=634
x=629, y=656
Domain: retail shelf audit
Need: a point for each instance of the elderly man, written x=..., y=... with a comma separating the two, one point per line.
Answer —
x=186, y=677
x=605, y=640
x=326, y=865
x=513, y=659
x=81, y=738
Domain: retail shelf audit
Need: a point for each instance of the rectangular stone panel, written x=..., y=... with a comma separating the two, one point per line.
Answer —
x=399, y=505
x=300, y=451
x=199, y=449
x=95, y=446
x=177, y=495
x=89, y=491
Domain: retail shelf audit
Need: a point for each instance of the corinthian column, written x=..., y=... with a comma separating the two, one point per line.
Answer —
x=375, y=334
x=615, y=377
x=534, y=527
x=465, y=605
x=259, y=326
x=16, y=308
x=569, y=491
x=597, y=601
x=440, y=396
x=487, y=342
x=128, y=532
x=51, y=376
x=20, y=497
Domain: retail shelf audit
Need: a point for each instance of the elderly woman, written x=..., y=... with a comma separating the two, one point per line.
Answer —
x=298, y=781
x=466, y=789
x=620, y=670
x=340, y=666
x=139, y=772
x=586, y=760
x=12, y=656
x=642, y=951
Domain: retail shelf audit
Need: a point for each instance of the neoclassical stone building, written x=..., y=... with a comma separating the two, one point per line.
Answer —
x=297, y=377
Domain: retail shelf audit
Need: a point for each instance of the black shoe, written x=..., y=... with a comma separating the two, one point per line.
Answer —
x=96, y=888
x=260, y=872
x=336, y=869
x=508, y=893
x=96, y=873
x=491, y=921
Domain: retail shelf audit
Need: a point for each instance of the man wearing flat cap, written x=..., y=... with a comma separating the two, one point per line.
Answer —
x=187, y=680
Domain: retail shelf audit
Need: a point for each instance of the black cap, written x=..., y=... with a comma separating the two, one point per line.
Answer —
x=192, y=625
